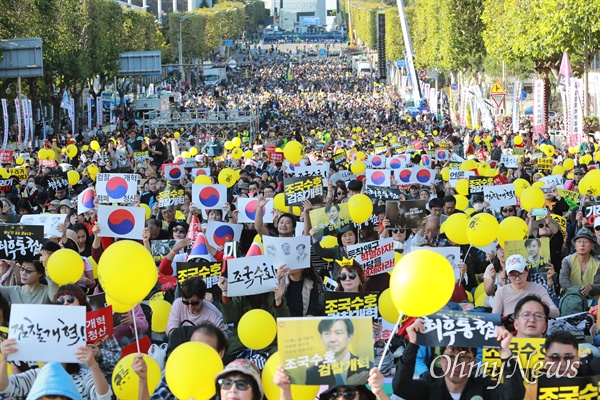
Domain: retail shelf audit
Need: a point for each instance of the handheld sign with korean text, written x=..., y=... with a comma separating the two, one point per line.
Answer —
x=460, y=329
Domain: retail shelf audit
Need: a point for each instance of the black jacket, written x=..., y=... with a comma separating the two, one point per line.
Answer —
x=435, y=388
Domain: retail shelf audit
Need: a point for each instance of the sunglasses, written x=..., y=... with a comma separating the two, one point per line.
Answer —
x=597, y=228
x=557, y=357
x=26, y=271
x=179, y=230
x=394, y=231
x=191, y=303
x=544, y=226
x=351, y=275
x=340, y=193
x=508, y=210
x=347, y=394
x=240, y=384
x=68, y=299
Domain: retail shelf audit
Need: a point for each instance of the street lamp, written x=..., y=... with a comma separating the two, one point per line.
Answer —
x=181, y=19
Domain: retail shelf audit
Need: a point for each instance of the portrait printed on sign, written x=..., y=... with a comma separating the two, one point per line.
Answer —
x=293, y=252
x=535, y=250
x=331, y=219
x=405, y=214
x=326, y=351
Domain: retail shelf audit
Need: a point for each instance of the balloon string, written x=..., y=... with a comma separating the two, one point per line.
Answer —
x=387, y=344
x=467, y=253
x=135, y=331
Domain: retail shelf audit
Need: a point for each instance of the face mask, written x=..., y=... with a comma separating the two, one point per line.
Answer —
x=478, y=206
x=31, y=185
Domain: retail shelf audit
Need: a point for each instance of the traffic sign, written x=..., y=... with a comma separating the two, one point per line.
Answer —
x=454, y=86
x=497, y=88
x=401, y=63
x=422, y=73
x=322, y=52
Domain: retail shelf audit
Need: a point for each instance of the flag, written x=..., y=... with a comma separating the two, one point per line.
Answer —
x=200, y=249
x=195, y=228
x=65, y=103
x=256, y=249
x=565, y=71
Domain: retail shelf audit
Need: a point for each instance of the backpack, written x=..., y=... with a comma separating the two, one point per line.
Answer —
x=572, y=302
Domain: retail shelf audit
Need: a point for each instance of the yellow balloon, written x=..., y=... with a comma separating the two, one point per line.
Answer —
x=462, y=187
x=125, y=381
x=461, y=202
x=456, y=228
x=520, y=185
x=148, y=211
x=118, y=307
x=127, y=271
x=360, y=155
x=518, y=140
x=469, y=212
x=194, y=151
x=272, y=390
x=19, y=160
x=202, y=180
x=257, y=329
x=186, y=154
x=549, y=151
x=293, y=152
x=92, y=169
x=558, y=170
x=412, y=274
x=328, y=242
x=94, y=266
x=186, y=377
x=358, y=167
x=73, y=177
x=482, y=229
x=387, y=309
x=512, y=228
x=532, y=198
x=360, y=208
x=227, y=177
x=95, y=145
x=445, y=174
x=568, y=164
x=468, y=165
x=160, y=315
x=176, y=135
x=237, y=153
x=297, y=211
x=65, y=266
x=590, y=184
x=236, y=141
x=228, y=145
x=71, y=151
x=538, y=184
x=248, y=154
x=279, y=203
x=85, y=147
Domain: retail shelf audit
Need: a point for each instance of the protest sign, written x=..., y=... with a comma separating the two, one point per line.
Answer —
x=568, y=195
x=442, y=155
x=382, y=193
x=85, y=200
x=457, y=174
x=21, y=242
x=160, y=248
x=460, y=329
x=345, y=304
x=377, y=162
x=452, y=254
x=294, y=252
x=500, y=180
x=218, y=233
x=530, y=353
x=99, y=325
x=310, y=358
x=6, y=156
x=375, y=257
x=591, y=211
x=397, y=162
x=48, y=221
x=248, y=207
x=140, y=156
x=478, y=183
x=416, y=175
x=251, y=275
x=6, y=185
x=556, y=180
x=116, y=188
x=173, y=172
x=581, y=388
x=19, y=172
x=330, y=284
x=330, y=219
x=500, y=195
x=47, y=332
x=210, y=196
x=55, y=181
x=544, y=163
x=171, y=196
x=207, y=270
x=509, y=161
x=121, y=222
x=536, y=251
x=296, y=190
x=339, y=158
x=378, y=177
x=200, y=171
x=405, y=214
x=561, y=221
x=315, y=169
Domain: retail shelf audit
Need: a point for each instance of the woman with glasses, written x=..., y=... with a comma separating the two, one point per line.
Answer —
x=108, y=352
x=32, y=291
x=509, y=295
x=507, y=211
x=494, y=276
x=351, y=278
x=348, y=237
x=240, y=380
x=178, y=230
x=192, y=308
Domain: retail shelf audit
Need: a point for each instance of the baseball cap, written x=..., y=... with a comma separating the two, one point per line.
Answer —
x=516, y=262
x=245, y=367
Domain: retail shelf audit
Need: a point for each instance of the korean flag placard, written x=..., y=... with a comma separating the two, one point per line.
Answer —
x=209, y=197
x=248, y=208
x=116, y=188
x=121, y=222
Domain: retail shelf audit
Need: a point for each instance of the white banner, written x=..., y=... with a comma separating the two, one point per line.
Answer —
x=116, y=188
x=375, y=257
x=539, y=109
x=509, y=161
x=89, y=113
x=25, y=121
x=515, y=106
x=50, y=222
x=572, y=134
x=99, y=111
x=5, y=118
x=486, y=118
x=251, y=275
x=294, y=252
x=18, y=107
x=578, y=110
x=463, y=107
x=500, y=195
x=121, y=222
x=433, y=103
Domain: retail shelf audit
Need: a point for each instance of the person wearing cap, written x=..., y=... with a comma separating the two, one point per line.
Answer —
x=413, y=192
x=581, y=268
x=573, y=184
x=65, y=206
x=239, y=380
x=556, y=204
x=509, y=295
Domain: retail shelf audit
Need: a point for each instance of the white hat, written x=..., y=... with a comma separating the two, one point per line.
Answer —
x=596, y=222
x=516, y=262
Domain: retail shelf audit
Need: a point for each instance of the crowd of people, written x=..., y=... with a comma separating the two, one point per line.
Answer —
x=330, y=111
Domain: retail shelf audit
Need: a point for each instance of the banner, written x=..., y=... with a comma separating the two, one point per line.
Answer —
x=294, y=252
x=405, y=214
x=477, y=184
x=248, y=207
x=530, y=353
x=517, y=89
x=585, y=387
x=25, y=121
x=116, y=188
x=326, y=351
x=99, y=111
x=591, y=211
x=330, y=220
x=99, y=324
x=121, y=222
x=500, y=195
x=319, y=168
x=375, y=257
x=509, y=161
x=47, y=333
x=89, y=113
x=48, y=221
x=377, y=193
x=5, y=118
x=378, y=177
x=536, y=251
x=417, y=175
x=539, y=109
x=578, y=110
x=463, y=107
x=6, y=156
x=21, y=242
x=460, y=329
x=171, y=196
x=208, y=271
x=344, y=304
x=219, y=233
x=19, y=172
x=251, y=275
x=18, y=109
x=556, y=180
x=296, y=190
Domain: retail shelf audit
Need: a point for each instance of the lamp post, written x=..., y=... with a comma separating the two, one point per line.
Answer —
x=180, y=45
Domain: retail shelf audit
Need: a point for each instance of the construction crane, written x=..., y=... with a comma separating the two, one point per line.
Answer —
x=416, y=92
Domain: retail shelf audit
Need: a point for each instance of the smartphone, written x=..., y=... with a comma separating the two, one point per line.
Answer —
x=539, y=212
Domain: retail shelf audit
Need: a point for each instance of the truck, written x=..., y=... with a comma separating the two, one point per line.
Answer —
x=364, y=68
x=358, y=59
x=214, y=76
x=150, y=108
